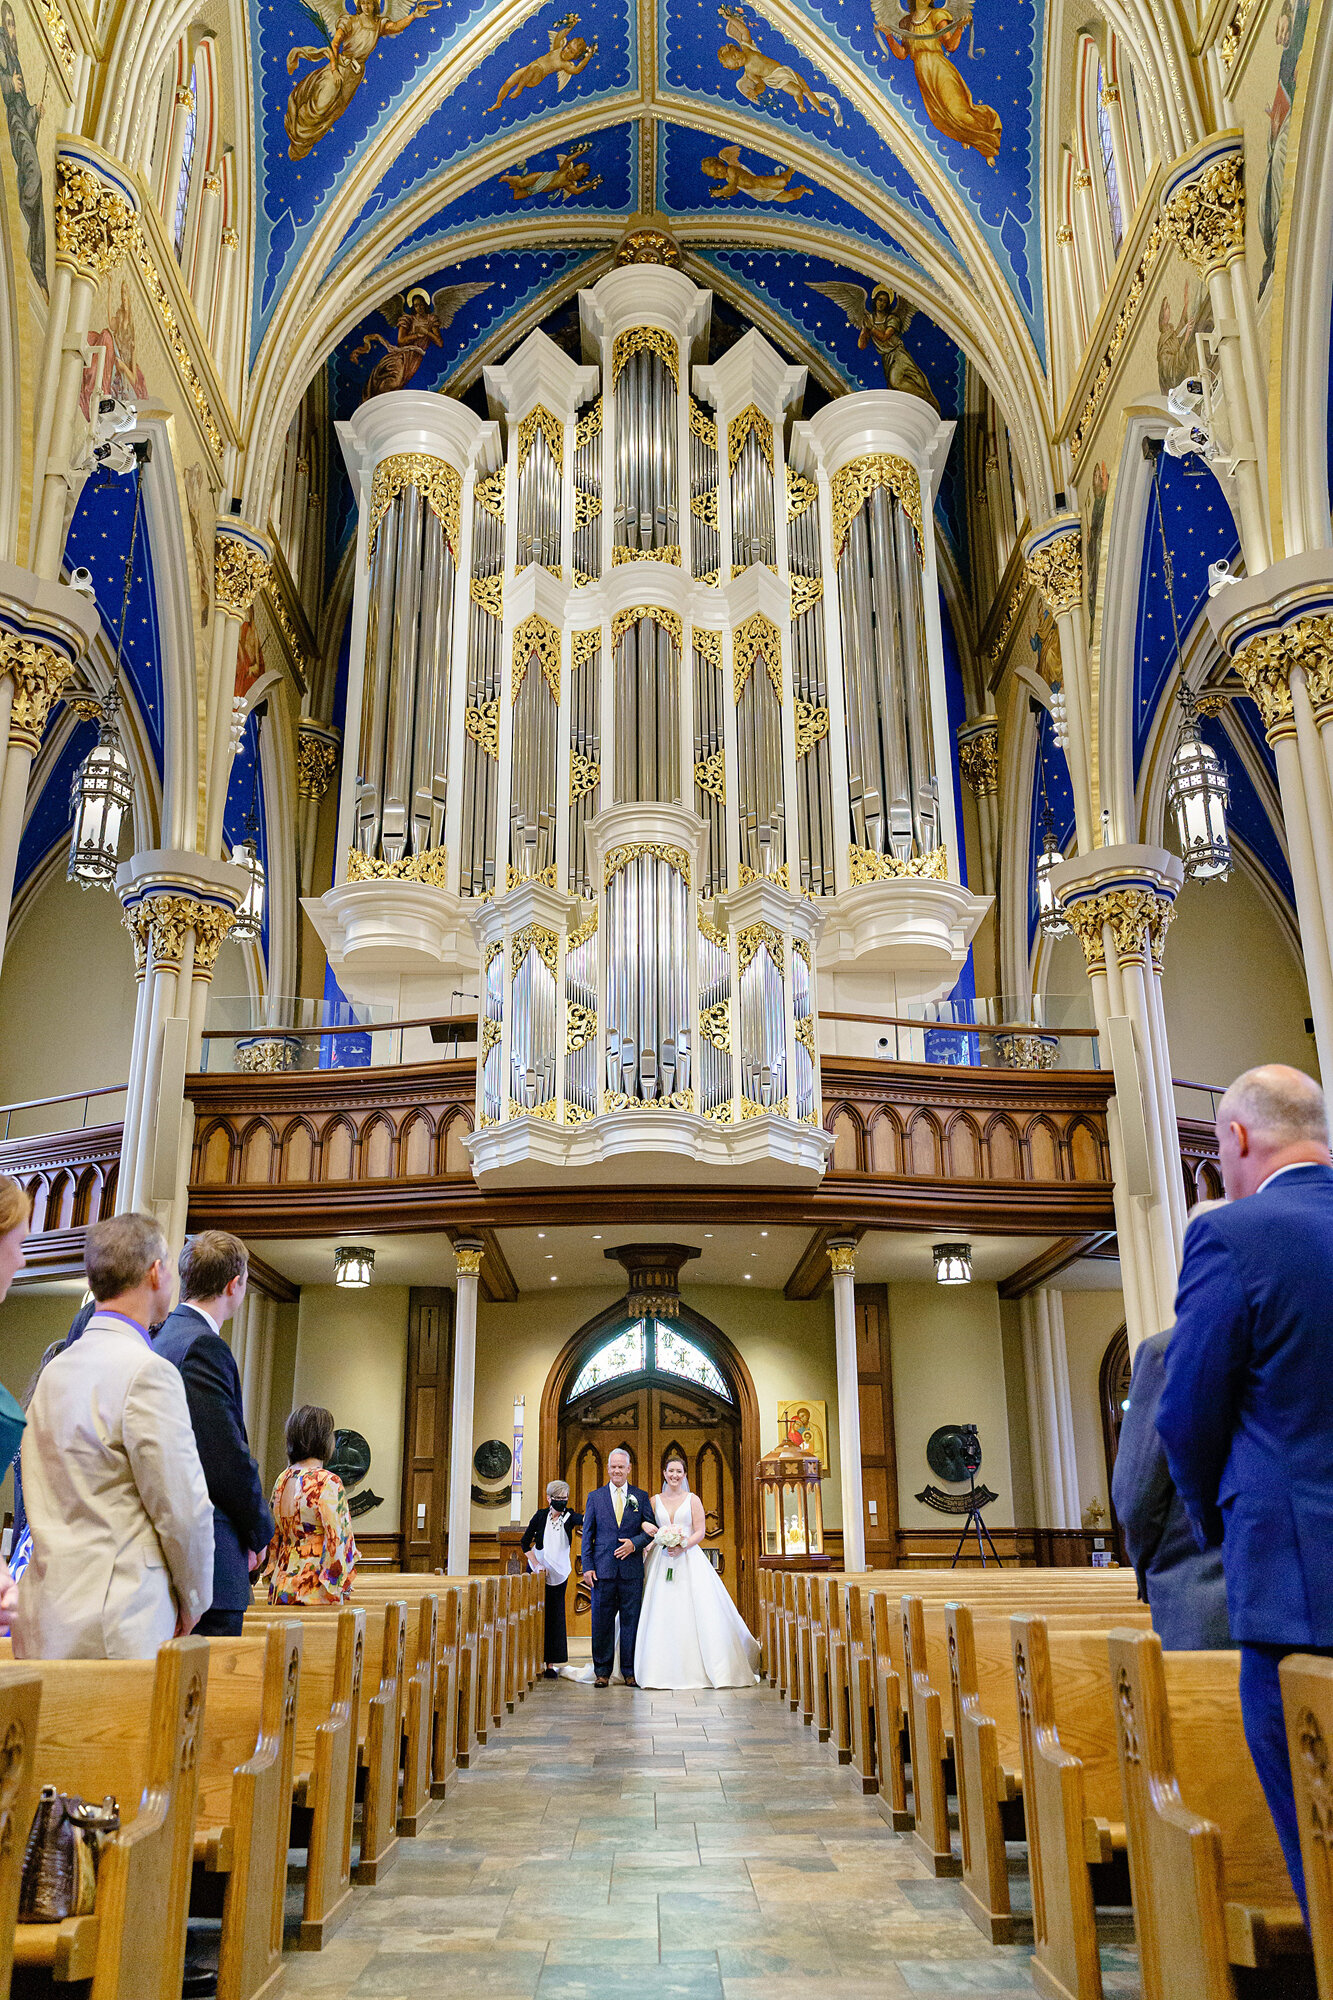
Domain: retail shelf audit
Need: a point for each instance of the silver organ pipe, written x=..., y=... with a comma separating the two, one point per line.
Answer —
x=585, y=751
x=492, y=1072
x=482, y=715
x=814, y=792
x=541, y=463
x=588, y=494
x=649, y=1045
x=532, y=777
x=706, y=542
x=646, y=516
x=715, y=1062
x=761, y=808
x=647, y=695
x=750, y=462
x=533, y=1013
x=582, y=1083
x=762, y=1009
x=710, y=773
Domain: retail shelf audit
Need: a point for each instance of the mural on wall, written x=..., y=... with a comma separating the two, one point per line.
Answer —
x=23, y=118
x=117, y=372
x=418, y=319
x=926, y=36
x=757, y=72
x=727, y=167
x=572, y=174
x=1101, y=486
x=880, y=320
x=567, y=56
x=1290, y=35
x=197, y=504
x=803, y=1425
x=1177, y=353
x=319, y=99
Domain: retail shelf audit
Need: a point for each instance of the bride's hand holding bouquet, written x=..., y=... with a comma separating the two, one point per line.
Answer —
x=670, y=1539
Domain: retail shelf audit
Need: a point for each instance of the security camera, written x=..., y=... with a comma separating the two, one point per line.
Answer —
x=1185, y=398
x=113, y=417
x=114, y=455
x=1219, y=576
x=81, y=579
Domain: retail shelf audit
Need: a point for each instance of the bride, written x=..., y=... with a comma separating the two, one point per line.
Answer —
x=690, y=1633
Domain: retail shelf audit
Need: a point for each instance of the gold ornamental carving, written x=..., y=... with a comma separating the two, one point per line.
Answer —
x=712, y=935
x=161, y=923
x=1206, y=216
x=710, y=775
x=580, y=1027
x=805, y=1033
x=679, y=1100
x=749, y=1109
x=708, y=646
x=979, y=762
x=551, y=428
x=1159, y=923
x=1056, y=571
x=668, y=553
x=578, y=938
x=1064, y=234
x=270, y=1055
x=316, y=761
x=240, y=572
x=867, y=866
x=96, y=228
x=583, y=647
x=648, y=246
x=584, y=775
x=490, y=494
x=668, y=620
x=702, y=425
x=488, y=592
x=620, y=857
x=536, y=638
x=780, y=875
x=431, y=866
x=806, y=592
x=801, y=493
x=842, y=1259
x=434, y=479
x=634, y=340
x=757, y=638
x=853, y=486
x=1265, y=667
x=715, y=1025
x=212, y=926
x=482, y=724
x=587, y=507
x=176, y=341
x=1229, y=46
x=1085, y=920
x=60, y=35
x=467, y=1263
x=546, y=1111
x=589, y=426
x=1120, y=333
x=40, y=675
x=703, y=506
x=533, y=937
x=739, y=429
x=812, y=726
x=756, y=938
x=490, y=1036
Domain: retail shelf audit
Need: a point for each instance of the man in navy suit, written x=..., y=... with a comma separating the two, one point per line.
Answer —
x=618, y=1524
x=214, y=1271
x=1246, y=1411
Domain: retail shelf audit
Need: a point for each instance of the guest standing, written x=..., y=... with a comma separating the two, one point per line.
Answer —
x=549, y=1531
x=214, y=1269
x=15, y=1215
x=312, y=1558
x=122, y=1527
x=1246, y=1411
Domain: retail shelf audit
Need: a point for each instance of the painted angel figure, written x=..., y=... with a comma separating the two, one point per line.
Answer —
x=736, y=178
x=318, y=101
x=881, y=321
x=567, y=56
x=419, y=321
x=759, y=72
x=569, y=176
x=925, y=36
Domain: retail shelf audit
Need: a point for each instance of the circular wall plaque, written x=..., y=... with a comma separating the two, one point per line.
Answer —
x=945, y=1453
x=351, y=1457
x=493, y=1459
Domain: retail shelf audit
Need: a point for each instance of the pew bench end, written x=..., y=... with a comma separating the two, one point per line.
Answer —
x=67, y=1950
x=1103, y=1839
x=1258, y=1937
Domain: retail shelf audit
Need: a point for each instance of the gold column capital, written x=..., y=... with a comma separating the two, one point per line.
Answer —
x=96, y=224
x=40, y=675
x=163, y=922
x=1138, y=919
x=1054, y=568
x=842, y=1259
x=1264, y=665
x=979, y=757
x=1203, y=207
x=241, y=567
x=467, y=1259
x=316, y=761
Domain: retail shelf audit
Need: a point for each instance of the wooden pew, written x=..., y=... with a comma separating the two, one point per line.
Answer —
x=419, y=1716
x=131, y=1729
x=1307, y=1701
x=328, y=1702
x=764, y=1622
x=1211, y=1889
x=484, y=1720
x=20, y=1703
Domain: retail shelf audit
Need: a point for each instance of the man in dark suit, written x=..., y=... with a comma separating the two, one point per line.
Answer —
x=1246, y=1412
x=618, y=1524
x=214, y=1268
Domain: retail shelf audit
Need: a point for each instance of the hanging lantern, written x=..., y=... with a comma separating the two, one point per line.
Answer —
x=352, y=1266
x=953, y=1263
x=1197, y=795
x=102, y=794
x=1049, y=914
x=250, y=915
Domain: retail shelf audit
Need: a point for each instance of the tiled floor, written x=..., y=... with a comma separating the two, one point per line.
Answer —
x=659, y=1847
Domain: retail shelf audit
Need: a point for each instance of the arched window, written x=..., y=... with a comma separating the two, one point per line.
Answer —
x=645, y=1346
x=182, y=202
x=1110, y=172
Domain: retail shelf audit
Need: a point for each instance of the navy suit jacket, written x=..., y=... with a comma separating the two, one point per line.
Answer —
x=1181, y=1582
x=241, y=1519
x=1246, y=1412
x=600, y=1533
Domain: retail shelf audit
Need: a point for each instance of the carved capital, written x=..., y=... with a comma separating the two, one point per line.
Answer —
x=979, y=760
x=162, y=923
x=316, y=762
x=40, y=675
x=842, y=1259
x=1085, y=919
x=1055, y=571
x=1264, y=665
x=1138, y=920
x=240, y=571
x=231, y=239
x=467, y=1260
x=212, y=925
x=96, y=226
x=1205, y=214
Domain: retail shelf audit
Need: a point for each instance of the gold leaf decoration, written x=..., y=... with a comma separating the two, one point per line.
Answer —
x=540, y=419
x=801, y=493
x=759, y=937
x=490, y=494
x=431, y=867
x=589, y=426
x=583, y=647
x=853, y=486
x=805, y=592
x=620, y=857
x=535, y=637
x=668, y=620
x=669, y=553
x=702, y=425
x=710, y=775
x=584, y=774
x=434, y=479
x=482, y=724
x=812, y=726
x=488, y=592
x=715, y=1025
x=757, y=638
x=634, y=340
x=580, y=1026
x=739, y=429
x=533, y=937
x=867, y=866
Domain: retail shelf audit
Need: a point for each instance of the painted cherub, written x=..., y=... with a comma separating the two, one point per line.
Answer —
x=726, y=166
x=759, y=72
x=565, y=57
x=569, y=176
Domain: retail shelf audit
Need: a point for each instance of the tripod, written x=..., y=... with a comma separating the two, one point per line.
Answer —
x=975, y=1525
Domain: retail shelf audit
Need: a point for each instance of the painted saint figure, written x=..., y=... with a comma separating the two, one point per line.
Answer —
x=1101, y=487
x=569, y=176
x=318, y=101
x=736, y=178
x=1177, y=356
x=1290, y=34
x=567, y=56
x=925, y=36
x=23, y=117
x=759, y=72
x=880, y=322
x=419, y=322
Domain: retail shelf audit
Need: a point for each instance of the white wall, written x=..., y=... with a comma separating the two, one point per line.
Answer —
x=67, y=996
x=948, y=1368
x=351, y=1356
x=1232, y=986
x=1091, y=1318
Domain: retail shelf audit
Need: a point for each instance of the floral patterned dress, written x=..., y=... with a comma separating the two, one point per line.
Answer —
x=312, y=1557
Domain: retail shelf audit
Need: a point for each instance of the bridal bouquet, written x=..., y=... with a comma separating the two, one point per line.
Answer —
x=670, y=1539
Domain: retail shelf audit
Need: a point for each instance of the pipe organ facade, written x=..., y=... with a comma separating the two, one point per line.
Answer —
x=643, y=698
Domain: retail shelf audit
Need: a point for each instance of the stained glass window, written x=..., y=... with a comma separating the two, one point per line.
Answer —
x=678, y=1356
x=187, y=163
x=646, y=1345
x=625, y=1354
x=1110, y=173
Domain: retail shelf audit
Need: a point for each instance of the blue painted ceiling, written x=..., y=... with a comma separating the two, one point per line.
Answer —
x=49, y=816
x=1200, y=529
x=1051, y=766
x=99, y=540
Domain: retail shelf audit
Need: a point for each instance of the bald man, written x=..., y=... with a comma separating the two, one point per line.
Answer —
x=1246, y=1411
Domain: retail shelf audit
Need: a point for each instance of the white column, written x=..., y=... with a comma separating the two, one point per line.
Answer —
x=467, y=1259
x=1050, y=1411
x=259, y=1435
x=842, y=1256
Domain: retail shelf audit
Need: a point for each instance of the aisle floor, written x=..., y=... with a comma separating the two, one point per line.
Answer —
x=665, y=1847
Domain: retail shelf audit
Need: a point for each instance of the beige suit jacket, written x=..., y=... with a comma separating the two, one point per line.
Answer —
x=122, y=1526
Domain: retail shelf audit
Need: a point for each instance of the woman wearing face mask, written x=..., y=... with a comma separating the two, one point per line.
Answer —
x=690, y=1633
x=548, y=1542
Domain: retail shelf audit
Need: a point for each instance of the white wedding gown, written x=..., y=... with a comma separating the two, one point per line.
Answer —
x=690, y=1633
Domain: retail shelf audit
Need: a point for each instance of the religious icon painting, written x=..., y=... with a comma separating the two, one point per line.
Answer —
x=734, y=177
x=23, y=118
x=927, y=36
x=418, y=319
x=757, y=73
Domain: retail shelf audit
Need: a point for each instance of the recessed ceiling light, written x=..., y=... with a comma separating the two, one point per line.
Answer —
x=554, y=1279
x=707, y=1235
x=541, y=1235
x=597, y=1238
x=763, y=1232
x=549, y=1255
x=747, y=1277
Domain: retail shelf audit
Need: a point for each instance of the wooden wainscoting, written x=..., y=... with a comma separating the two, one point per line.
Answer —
x=71, y=1177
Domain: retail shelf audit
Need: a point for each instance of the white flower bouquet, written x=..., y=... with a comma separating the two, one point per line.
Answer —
x=670, y=1539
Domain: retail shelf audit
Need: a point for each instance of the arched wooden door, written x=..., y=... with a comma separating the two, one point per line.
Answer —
x=651, y=1389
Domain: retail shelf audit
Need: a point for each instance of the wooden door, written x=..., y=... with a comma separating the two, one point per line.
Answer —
x=425, y=1505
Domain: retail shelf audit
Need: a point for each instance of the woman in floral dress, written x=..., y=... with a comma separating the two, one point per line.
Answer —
x=312, y=1557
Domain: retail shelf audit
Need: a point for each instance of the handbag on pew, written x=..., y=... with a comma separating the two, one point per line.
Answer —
x=60, y=1861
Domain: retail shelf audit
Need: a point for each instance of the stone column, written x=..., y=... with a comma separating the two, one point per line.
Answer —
x=204, y=261
x=467, y=1261
x=842, y=1257
x=1053, y=557
x=1203, y=211
x=241, y=566
x=316, y=762
x=1050, y=1411
x=979, y=763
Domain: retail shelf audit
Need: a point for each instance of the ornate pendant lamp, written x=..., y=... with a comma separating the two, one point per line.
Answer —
x=250, y=915
x=1049, y=914
x=103, y=788
x=1198, y=792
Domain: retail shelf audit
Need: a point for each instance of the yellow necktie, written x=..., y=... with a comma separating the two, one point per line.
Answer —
x=618, y=1502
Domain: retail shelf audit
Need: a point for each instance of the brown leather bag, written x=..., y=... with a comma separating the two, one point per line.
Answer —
x=60, y=1861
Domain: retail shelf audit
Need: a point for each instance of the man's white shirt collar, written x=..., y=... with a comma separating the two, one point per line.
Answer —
x=195, y=1308
x=1292, y=1167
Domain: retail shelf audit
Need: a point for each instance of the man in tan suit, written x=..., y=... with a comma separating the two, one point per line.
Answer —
x=122, y=1526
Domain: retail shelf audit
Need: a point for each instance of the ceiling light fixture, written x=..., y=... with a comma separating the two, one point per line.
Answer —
x=103, y=789
x=352, y=1266
x=953, y=1263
